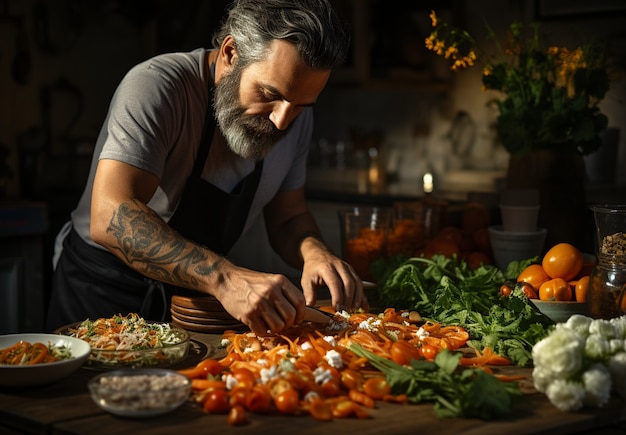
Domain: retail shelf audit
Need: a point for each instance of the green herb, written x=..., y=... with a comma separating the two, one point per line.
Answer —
x=454, y=391
x=445, y=290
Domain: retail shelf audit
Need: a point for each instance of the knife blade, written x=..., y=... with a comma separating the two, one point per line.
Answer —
x=315, y=315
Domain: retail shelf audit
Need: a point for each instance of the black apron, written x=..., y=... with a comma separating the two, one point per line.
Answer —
x=90, y=283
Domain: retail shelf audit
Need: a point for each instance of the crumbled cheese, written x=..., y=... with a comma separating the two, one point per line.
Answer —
x=334, y=358
x=422, y=333
x=306, y=345
x=262, y=362
x=230, y=381
x=371, y=324
x=330, y=340
x=405, y=314
x=225, y=342
x=322, y=375
x=310, y=396
x=344, y=314
x=269, y=374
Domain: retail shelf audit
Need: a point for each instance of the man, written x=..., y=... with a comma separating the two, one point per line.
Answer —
x=194, y=147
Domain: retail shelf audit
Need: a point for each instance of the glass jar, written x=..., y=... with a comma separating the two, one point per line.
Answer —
x=607, y=284
x=364, y=233
x=606, y=297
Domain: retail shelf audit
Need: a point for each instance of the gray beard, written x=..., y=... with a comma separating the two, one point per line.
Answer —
x=249, y=136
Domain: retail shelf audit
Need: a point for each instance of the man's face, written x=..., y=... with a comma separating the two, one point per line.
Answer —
x=256, y=105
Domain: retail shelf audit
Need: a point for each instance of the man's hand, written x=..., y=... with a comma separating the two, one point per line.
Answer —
x=322, y=267
x=264, y=302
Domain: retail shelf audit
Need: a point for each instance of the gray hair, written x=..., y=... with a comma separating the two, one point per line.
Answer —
x=310, y=25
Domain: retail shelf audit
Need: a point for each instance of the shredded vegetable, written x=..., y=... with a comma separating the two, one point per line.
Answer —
x=131, y=340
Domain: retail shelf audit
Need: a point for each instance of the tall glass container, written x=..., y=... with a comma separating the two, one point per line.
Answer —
x=606, y=297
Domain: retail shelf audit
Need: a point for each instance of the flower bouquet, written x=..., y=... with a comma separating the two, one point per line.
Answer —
x=549, y=95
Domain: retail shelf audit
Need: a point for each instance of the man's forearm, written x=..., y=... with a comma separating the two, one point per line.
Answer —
x=148, y=245
x=287, y=240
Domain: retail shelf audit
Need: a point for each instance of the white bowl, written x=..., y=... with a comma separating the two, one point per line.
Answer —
x=510, y=246
x=141, y=392
x=44, y=373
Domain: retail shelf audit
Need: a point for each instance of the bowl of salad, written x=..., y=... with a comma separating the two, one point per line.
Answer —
x=39, y=359
x=130, y=342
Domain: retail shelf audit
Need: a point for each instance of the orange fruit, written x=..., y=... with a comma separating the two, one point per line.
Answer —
x=581, y=289
x=563, y=261
x=556, y=289
x=533, y=275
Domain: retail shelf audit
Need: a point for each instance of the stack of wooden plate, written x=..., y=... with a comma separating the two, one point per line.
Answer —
x=202, y=314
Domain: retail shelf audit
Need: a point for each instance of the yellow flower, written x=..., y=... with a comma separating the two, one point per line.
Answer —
x=433, y=18
x=550, y=81
x=430, y=42
x=451, y=52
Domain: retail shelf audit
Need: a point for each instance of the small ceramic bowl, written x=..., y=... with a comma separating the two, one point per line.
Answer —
x=560, y=311
x=140, y=392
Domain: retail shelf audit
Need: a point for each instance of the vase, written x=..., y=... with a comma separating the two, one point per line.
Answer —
x=560, y=180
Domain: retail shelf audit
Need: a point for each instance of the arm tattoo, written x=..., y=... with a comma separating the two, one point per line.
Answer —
x=150, y=246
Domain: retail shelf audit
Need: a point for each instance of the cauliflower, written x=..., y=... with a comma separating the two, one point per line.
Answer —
x=581, y=362
x=561, y=352
x=566, y=395
x=596, y=347
x=617, y=368
x=597, y=382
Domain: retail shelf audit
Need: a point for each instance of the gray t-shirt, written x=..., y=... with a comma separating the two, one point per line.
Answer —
x=155, y=123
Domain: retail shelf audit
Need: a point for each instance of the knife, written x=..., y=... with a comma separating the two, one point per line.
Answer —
x=315, y=315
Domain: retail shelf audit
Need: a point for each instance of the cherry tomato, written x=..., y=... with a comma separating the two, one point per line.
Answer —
x=320, y=410
x=287, y=402
x=343, y=408
x=361, y=398
x=428, y=351
x=402, y=352
x=245, y=377
x=505, y=290
x=239, y=396
x=237, y=416
x=259, y=399
x=529, y=291
x=331, y=388
x=351, y=379
x=296, y=380
x=377, y=388
x=216, y=402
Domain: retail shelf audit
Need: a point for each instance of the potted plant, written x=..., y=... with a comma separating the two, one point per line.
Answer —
x=547, y=99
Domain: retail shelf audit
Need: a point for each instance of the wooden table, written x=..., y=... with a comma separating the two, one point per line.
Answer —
x=65, y=407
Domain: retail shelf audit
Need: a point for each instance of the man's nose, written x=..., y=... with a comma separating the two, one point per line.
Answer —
x=282, y=114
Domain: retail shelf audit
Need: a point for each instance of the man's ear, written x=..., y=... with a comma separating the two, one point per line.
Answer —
x=228, y=52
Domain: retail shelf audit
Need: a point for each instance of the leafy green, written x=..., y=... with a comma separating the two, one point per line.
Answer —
x=447, y=291
x=454, y=391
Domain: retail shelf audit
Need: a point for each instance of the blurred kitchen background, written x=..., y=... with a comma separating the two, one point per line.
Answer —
x=393, y=114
